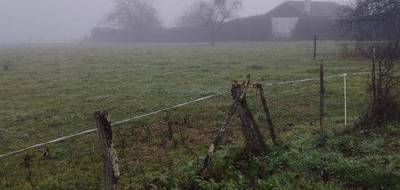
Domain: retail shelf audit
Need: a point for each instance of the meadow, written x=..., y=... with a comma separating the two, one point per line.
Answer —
x=50, y=91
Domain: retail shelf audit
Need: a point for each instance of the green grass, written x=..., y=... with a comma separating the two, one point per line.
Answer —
x=51, y=91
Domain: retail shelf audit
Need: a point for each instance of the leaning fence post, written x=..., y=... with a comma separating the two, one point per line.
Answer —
x=321, y=98
x=255, y=142
x=267, y=113
x=228, y=118
x=104, y=131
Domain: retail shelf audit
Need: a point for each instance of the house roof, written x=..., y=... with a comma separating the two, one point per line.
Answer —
x=318, y=8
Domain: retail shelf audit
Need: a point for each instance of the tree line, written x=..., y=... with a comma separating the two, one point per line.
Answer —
x=138, y=20
x=204, y=20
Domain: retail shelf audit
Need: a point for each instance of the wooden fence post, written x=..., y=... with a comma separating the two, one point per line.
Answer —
x=255, y=142
x=315, y=47
x=267, y=113
x=221, y=133
x=321, y=99
x=104, y=131
x=218, y=140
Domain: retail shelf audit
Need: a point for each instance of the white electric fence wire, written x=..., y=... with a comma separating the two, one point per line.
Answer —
x=166, y=109
x=303, y=80
x=114, y=124
x=48, y=142
x=156, y=112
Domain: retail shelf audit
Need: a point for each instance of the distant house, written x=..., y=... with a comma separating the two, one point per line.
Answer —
x=294, y=19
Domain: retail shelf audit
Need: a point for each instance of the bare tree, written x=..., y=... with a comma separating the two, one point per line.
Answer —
x=210, y=14
x=375, y=27
x=135, y=15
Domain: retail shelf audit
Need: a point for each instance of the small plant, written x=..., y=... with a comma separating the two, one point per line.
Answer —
x=187, y=121
x=122, y=154
x=27, y=164
x=6, y=67
x=169, y=123
x=148, y=136
x=183, y=136
x=4, y=175
x=46, y=153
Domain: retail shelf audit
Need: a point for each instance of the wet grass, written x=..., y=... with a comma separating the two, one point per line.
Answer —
x=51, y=91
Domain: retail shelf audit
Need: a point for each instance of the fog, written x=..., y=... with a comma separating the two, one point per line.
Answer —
x=48, y=21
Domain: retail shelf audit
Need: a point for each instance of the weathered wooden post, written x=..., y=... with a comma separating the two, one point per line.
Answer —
x=221, y=133
x=321, y=99
x=255, y=143
x=110, y=158
x=271, y=127
x=315, y=47
x=218, y=139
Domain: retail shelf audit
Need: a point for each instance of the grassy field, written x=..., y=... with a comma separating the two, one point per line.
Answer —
x=50, y=91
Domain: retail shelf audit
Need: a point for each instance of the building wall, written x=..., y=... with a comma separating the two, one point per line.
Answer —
x=283, y=27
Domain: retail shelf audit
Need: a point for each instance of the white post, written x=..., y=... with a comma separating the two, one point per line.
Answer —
x=345, y=98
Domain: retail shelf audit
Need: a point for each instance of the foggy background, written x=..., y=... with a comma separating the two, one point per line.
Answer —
x=48, y=21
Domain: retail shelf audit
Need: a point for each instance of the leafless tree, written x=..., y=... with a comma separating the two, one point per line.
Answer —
x=375, y=27
x=210, y=14
x=135, y=15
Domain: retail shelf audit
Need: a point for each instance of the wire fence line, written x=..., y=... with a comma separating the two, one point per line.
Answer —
x=113, y=124
x=167, y=109
x=48, y=142
x=316, y=79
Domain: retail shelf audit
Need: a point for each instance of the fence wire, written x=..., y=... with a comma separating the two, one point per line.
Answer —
x=147, y=148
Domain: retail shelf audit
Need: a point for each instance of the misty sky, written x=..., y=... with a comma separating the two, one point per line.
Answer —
x=70, y=20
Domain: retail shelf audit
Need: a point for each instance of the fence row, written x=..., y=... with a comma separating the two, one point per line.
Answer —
x=174, y=107
x=275, y=105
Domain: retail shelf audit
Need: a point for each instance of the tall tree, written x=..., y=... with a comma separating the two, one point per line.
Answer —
x=135, y=15
x=375, y=27
x=210, y=14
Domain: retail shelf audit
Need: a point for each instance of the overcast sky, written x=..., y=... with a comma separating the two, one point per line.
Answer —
x=70, y=20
